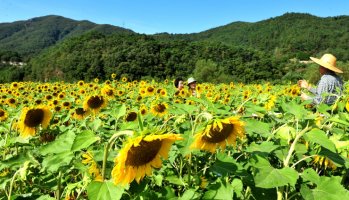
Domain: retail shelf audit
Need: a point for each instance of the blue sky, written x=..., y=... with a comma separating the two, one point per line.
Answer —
x=172, y=16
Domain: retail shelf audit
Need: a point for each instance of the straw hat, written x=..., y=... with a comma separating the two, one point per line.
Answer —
x=328, y=61
x=191, y=80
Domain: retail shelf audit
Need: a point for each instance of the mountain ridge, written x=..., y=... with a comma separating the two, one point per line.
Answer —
x=29, y=37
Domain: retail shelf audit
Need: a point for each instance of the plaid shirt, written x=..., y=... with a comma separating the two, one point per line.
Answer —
x=329, y=84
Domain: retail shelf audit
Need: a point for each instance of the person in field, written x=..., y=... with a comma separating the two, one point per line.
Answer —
x=329, y=86
x=192, y=86
x=179, y=83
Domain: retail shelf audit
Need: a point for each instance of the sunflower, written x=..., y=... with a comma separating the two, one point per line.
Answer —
x=142, y=83
x=219, y=133
x=66, y=105
x=159, y=109
x=94, y=103
x=3, y=115
x=31, y=118
x=120, y=93
x=131, y=116
x=124, y=79
x=139, y=98
x=93, y=170
x=61, y=95
x=139, y=155
x=81, y=83
x=347, y=105
x=108, y=91
x=55, y=102
x=107, y=82
x=246, y=94
x=57, y=108
x=11, y=102
x=82, y=91
x=48, y=97
x=38, y=101
x=325, y=162
x=150, y=90
x=143, y=109
x=96, y=80
x=163, y=92
x=203, y=182
x=80, y=113
x=113, y=75
x=142, y=91
x=14, y=85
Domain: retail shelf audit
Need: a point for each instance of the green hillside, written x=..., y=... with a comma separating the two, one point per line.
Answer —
x=240, y=51
x=294, y=34
x=31, y=36
x=140, y=56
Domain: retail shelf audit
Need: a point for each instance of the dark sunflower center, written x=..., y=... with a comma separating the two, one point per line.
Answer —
x=219, y=136
x=2, y=113
x=110, y=92
x=131, y=116
x=160, y=108
x=80, y=111
x=144, y=153
x=150, y=89
x=57, y=108
x=95, y=102
x=12, y=101
x=34, y=117
x=66, y=104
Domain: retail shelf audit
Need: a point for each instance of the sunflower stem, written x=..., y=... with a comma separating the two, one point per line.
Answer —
x=108, y=146
x=59, y=185
x=293, y=145
x=189, y=170
x=105, y=157
x=140, y=121
x=11, y=184
x=279, y=193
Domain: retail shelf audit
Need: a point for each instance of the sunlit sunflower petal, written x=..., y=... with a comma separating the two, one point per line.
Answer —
x=219, y=133
x=32, y=118
x=139, y=155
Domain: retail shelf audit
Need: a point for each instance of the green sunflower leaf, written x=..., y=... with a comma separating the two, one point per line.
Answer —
x=318, y=136
x=62, y=144
x=219, y=190
x=104, y=191
x=264, y=147
x=84, y=140
x=258, y=127
x=271, y=177
x=310, y=175
x=295, y=109
x=190, y=194
x=328, y=188
x=224, y=165
x=53, y=162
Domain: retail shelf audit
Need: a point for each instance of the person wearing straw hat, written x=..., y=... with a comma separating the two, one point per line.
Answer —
x=192, y=86
x=330, y=84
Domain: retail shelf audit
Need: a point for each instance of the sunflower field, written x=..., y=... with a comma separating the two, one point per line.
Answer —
x=144, y=140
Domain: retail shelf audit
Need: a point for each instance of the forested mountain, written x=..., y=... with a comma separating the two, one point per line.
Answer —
x=140, y=56
x=29, y=37
x=57, y=48
x=295, y=34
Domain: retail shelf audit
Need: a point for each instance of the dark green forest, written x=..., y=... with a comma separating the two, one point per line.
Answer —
x=141, y=56
x=269, y=50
